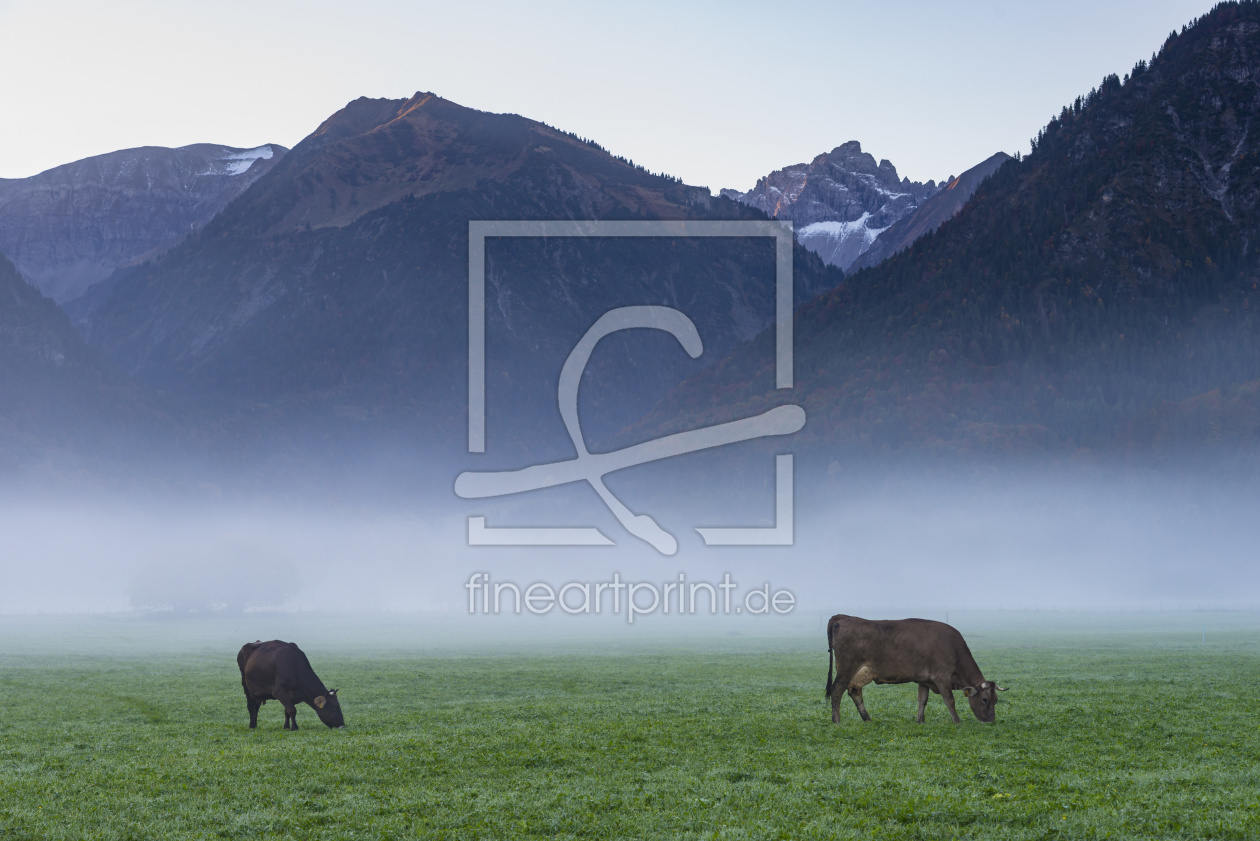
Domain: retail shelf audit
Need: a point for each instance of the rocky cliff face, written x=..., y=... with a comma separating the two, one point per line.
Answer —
x=70, y=227
x=839, y=202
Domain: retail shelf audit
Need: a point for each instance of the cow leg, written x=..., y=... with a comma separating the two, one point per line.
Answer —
x=837, y=695
x=856, y=695
x=864, y=676
x=290, y=711
x=253, y=704
x=844, y=676
x=924, y=692
x=947, y=695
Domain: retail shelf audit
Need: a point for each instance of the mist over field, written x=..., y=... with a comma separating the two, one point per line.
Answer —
x=893, y=543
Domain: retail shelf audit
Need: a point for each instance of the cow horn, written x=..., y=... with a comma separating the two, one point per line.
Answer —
x=319, y=702
x=1000, y=688
x=332, y=691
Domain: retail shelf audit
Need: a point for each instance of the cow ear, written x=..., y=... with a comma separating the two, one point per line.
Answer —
x=968, y=691
x=319, y=702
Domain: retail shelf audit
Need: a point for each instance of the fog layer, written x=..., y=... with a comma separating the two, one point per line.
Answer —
x=863, y=543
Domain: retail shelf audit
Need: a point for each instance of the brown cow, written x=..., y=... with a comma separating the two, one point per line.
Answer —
x=280, y=670
x=931, y=654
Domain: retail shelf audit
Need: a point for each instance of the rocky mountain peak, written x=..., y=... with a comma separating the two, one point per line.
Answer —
x=839, y=202
x=850, y=157
x=365, y=114
x=374, y=152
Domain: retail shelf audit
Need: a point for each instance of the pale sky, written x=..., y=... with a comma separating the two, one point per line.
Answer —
x=717, y=93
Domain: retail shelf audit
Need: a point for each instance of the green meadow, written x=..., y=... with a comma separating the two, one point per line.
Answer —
x=1145, y=726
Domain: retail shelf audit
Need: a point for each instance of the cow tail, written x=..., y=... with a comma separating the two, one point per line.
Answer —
x=831, y=664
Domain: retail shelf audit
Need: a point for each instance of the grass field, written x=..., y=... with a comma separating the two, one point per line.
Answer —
x=139, y=731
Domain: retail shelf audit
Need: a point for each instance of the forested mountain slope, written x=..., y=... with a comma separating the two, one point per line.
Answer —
x=1079, y=300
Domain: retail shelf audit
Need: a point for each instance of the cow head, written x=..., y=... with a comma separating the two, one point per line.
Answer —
x=982, y=699
x=328, y=708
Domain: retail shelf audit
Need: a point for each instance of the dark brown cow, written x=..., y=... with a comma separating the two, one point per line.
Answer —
x=280, y=670
x=931, y=654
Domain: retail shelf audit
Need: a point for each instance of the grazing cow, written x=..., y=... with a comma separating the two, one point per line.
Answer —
x=281, y=671
x=931, y=654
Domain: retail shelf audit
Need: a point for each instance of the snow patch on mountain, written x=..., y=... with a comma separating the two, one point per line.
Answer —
x=841, y=230
x=840, y=243
x=239, y=163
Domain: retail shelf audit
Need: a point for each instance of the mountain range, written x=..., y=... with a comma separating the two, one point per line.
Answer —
x=1097, y=295
x=1092, y=297
x=72, y=226
x=329, y=301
